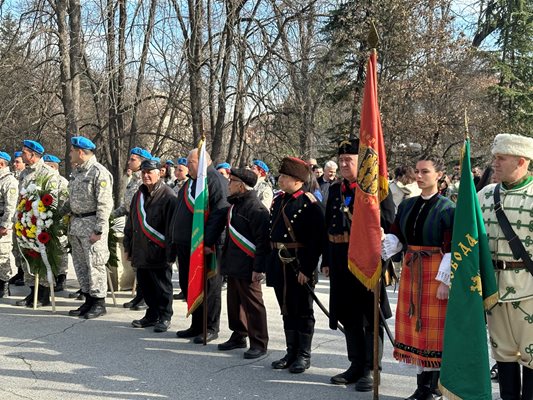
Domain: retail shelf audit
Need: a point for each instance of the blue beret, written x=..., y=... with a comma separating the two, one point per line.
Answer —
x=224, y=165
x=5, y=156
x=138, y=151
x=182, y=161
x=169, y=162
x=51, y=158
x=81, y=142
x=261, y=165
x=18, y=154
x=156, y=159
x=34, y=146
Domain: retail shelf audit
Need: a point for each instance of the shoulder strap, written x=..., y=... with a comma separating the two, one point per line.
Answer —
x=519, y=252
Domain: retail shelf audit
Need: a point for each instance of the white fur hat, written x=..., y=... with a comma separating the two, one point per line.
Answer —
x=513, y=145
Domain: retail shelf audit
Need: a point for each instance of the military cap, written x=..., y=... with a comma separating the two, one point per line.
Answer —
x=149, y=165
x=138, y=151
x=296, y=168
x=83, y=143
x=5, y=156
x=182, y=161
x=34, y=146
x=224, y=165
x=169, y=162
x=513, y=145
x=18, y=154
x=51, y=158
x=349, y=146
x=262, y=165
x=245, y=175
x=156, y=159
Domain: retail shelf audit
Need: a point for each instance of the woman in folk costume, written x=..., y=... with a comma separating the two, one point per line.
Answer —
x=423, y=228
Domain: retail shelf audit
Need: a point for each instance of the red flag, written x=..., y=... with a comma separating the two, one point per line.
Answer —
x=364, y=253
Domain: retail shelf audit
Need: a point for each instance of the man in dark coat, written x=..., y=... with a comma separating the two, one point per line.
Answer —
x=246, y=247
x=296, y=229
x=179, y=244
x=351, y=303
x=144, y=243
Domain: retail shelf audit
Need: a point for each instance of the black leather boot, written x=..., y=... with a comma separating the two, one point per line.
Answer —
x=303, y=357
x=355, y=372
x=291, y=338
x=82, y=310
x=434, y=385
x=366, y=383
x=97, y=309
x=44, y=296
x=527, y=383
x=28, y=300
x=17, y=277
x=509, y=379
x=60, y=282
x=137, y=301
x=4, y=289
x=422, y=391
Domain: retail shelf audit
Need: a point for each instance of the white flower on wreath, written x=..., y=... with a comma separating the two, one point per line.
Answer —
x=40, y=223
x=43, y=216
x=48, y=223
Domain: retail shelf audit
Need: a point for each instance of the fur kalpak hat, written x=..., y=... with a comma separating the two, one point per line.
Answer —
x=296, y=168
x=513, y=145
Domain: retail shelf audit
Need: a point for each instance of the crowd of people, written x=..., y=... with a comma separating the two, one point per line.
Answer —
x=286, y=231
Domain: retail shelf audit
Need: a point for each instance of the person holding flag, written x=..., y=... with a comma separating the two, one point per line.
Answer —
x=423, y=228
x=350, y=301
x=506, y=209
x=215, y=187
x=144, y=244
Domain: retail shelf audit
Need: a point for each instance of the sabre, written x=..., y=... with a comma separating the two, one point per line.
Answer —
x=286, y=258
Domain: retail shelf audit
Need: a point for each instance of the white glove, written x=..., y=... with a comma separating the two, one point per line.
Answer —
x=390, y=246
x=445, y=269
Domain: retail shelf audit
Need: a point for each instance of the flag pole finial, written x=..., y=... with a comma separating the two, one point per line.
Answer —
x=373, y=36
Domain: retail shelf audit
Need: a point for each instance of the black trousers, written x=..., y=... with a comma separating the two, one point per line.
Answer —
x=247, y=312
x=156, y=287
x=214, y=294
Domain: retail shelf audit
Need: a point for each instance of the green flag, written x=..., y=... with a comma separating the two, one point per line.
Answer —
x=465, y=358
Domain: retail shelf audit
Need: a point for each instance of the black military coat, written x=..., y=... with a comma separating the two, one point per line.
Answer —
x=346, y=291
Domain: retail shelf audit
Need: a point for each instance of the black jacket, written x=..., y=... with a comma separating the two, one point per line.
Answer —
x=159, y=206
x=181, y=219
x=249, y=218
x=306, y=215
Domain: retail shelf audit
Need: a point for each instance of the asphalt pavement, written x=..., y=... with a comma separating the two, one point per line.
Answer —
x=45, y=355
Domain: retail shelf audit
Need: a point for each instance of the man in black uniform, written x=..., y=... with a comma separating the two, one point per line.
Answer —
x=351, y=303
x=297, y=227
x=179, y=243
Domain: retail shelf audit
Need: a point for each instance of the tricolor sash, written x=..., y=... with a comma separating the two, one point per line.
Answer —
x=151, y=233
x=189, y=200
x=240, y=241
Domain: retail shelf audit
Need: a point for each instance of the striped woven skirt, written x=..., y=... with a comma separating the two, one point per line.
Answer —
x=419, y=314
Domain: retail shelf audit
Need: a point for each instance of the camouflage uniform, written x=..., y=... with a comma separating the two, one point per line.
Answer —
x=63, y=197
x=264, y=192
x=8, y=206
x=90, y=204
x=28, y=176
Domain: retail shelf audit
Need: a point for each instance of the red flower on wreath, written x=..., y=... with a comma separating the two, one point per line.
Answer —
x=33, y=254
x=47, y=200
x=23, y=232
x=43, y=237
x=33, y=219
x=19, y=216
x=27, y=206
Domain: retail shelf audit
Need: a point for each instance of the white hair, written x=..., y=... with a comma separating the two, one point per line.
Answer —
x=331, y=164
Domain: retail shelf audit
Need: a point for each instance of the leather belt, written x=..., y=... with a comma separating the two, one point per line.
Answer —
x=340, y=238
x=291, y=245
x=499, y=264
x=84, y=215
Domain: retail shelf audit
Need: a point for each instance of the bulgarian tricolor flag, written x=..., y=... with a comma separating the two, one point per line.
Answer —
x=364, y=252
x=197, y=266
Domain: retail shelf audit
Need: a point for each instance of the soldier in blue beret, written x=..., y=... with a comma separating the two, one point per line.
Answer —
x=125, y=274
x=182, y=161
x=224, y=169
x=90, y=204
x=36, y=169
x=263, y=186
x=18, y=164
x=8, y=207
